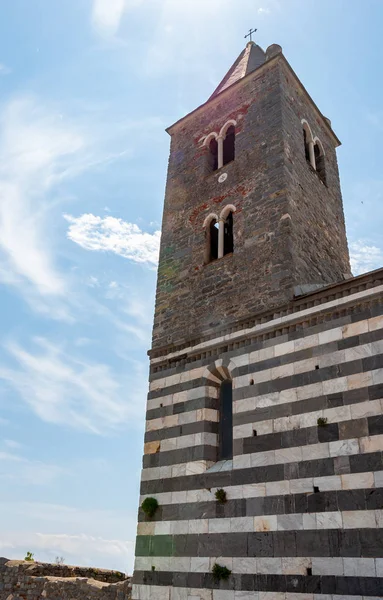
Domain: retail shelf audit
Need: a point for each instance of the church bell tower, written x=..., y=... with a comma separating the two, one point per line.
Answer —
x=253, y=209
x=264, y=424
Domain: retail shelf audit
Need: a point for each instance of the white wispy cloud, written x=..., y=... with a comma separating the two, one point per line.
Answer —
x=24, y=471
x=107, y=14
x=62, y=388
x=205, y=20
x=365, y=257
x=4, y=70
x=75, y=549
x=12, y=444
x=87, y=537
x=35, y=148
x=109, y=234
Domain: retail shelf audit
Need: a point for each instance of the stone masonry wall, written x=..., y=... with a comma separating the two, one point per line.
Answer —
x=304, y=513
x=317, y=221
x=257, y=273
x=288, y=226
x=20, y=580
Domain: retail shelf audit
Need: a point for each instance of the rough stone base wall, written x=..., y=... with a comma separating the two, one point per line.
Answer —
x=20, y=580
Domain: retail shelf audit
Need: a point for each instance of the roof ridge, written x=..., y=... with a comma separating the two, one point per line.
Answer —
x=251, y=57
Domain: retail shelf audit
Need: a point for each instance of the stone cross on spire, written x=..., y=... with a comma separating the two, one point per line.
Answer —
x=251, y=31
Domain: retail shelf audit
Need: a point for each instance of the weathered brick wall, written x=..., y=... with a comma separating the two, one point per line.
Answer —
x=20, y=580
x=257, y=273
x=319, y=244
x=288, y=227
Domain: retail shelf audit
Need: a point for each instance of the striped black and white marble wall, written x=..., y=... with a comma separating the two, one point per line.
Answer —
x=304, y=508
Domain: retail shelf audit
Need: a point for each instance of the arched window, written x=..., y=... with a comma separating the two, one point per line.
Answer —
x=228, y=235
x=320, y=161
x=229, y=145
x=225, y=449
x=306, y=143
x=213, y=155
x=213, y=241
x=211, y=226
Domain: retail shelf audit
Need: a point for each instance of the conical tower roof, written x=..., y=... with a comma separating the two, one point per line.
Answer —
x=250, y=59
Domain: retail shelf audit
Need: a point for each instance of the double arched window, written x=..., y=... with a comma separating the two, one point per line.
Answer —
x=221, y=146
x=314, y=151
x=219, y=234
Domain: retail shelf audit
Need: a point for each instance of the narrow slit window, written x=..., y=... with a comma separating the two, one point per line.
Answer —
x=306, y=143
x=225, y=449
x=212, y=241
x=228, y=235
x=319, y=162
x=213, y=155
x=229, y=145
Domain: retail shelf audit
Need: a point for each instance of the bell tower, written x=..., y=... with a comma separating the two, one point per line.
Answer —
x=263, y=467
x=253, y=209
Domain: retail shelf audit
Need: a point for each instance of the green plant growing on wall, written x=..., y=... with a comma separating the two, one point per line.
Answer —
x=220, y=573
x=322, y=422
x=221, y=496
x=29, y=557
x=149, y=506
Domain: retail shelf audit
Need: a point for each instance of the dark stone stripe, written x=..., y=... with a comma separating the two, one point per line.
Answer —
x=179, y=387
x=265, y=387
x=312, y=352
x=298, y=584
x=310, y=377
x=358, y=463
x=334, y=500
x=183, y=455
x=180, y=430
x=366, y=543
x=373, y=392
x=333, y=319
x=332, y=432
x=181, y=407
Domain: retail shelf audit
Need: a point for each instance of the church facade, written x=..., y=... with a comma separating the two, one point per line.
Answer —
x=264, y=427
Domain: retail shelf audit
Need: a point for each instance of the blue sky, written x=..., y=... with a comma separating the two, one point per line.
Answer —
x=87, y=88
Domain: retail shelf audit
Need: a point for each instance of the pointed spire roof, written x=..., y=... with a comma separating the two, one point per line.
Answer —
x=250, y=59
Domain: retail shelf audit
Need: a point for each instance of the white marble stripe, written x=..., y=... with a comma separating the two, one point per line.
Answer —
x=310, y=419
x=192, y=416
x=184, y=441
x=336, y=385
x=333, y=415
x=348, y=330
x=306, y=365
x=183, y=396
x=152, y=592
x=353, y=519
x=348, y=481
x=321, y=388
x=348, y=567
x=323, y=360
x=351, y=446
x=183, y=377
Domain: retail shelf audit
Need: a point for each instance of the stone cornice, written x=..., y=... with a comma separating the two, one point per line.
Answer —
x=332, y=297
